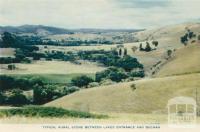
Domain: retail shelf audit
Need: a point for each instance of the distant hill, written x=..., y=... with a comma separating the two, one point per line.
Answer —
x=48, y=30
x=35, y=29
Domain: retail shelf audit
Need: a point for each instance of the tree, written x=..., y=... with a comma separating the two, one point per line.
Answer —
x=141, y=48
x=8, y=39
x=128, y=63
x=2, y=98
x=184, y=39
x=125, y=51
x=113, y=73
x=199, y=37
x=148, y=47
x=6, y=82
x=17, y=98
x=190, y=34
x=169, y=53
x=44, y=94
x=155, y=43
x=11, y=67
x=81, y=81
x=120, y=52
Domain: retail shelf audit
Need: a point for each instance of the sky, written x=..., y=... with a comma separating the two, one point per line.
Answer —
x=115, y=14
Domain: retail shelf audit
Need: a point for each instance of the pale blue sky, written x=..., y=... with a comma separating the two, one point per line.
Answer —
x=98, y=13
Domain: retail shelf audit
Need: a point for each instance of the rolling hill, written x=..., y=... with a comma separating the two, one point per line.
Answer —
x=185, y=61
x=178, y=77
x=150, y=96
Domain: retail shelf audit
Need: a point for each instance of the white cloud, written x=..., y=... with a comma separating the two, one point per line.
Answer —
x=96, y=13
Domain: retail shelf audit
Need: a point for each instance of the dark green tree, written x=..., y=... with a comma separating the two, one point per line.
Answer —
x=81, y=81
x=141, y=48
x=125, y=51
x=17, y=98
x=148, y=47
x=120, y=52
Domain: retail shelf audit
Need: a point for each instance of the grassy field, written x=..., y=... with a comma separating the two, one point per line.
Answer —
x=186, y=60
x=52, y=67
x=150, y=96
x=7, y=52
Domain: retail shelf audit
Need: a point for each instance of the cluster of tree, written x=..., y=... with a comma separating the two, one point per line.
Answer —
x=45, y=93
x=14, y=41
x=77, y=42
x=17, y=98
x=148, y=48
x=187, y=36
x=117, y=74
x=113, y=73
x=17, y=41
x=111, y=58
x=122, y=52
x=42, y=93
x=81, y=81
x=8, y=83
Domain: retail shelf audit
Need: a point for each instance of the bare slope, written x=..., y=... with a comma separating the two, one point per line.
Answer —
x=150, y=96
x=168, y=36
x=186, y=60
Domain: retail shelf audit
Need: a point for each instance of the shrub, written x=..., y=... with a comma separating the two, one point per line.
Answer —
x=26, y=60
x=155, y=43
x=6, y=82
x=137, y=74
x=69, y=90
x=128, y=63
x=169, y=53
x=44, y=94
x=140, y=47
x=11, y=67
x=133, y=86
x=81, y=81
x=148, y=47
x=17, y=98
x=2, y=98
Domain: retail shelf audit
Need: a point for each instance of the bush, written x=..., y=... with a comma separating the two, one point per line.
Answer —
x=128, y=63
x=17, y=98
x=148, y=47
x=133, y=86
x=155, y=43
x=2, y=98
x=44, y=94
x=137, y=74
x=69, y=90
x=81, y=81
x=8, y=82
x=113, y=73
x=11, y=67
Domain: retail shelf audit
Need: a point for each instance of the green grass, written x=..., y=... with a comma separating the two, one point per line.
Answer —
x=37, y=111
x=52, y=78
